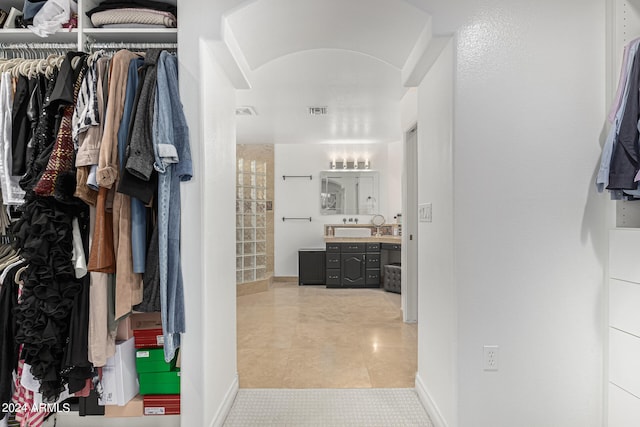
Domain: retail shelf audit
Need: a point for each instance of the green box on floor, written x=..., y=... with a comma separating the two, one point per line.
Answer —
x=152, y=360
x=159, y=382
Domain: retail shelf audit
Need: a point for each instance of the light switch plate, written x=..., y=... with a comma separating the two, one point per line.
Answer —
x=425, y=212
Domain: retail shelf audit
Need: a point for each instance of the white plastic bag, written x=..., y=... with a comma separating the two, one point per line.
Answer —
x=50, y=18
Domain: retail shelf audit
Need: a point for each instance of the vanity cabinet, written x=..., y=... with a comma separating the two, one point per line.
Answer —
x=353, y=265
x=311, y=266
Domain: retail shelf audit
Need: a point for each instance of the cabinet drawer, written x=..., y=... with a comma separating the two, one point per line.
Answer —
x=353, y=247
x=333, y=247
x=373, y=260
x=391, y=247
x=373, y=277
x=373, y=247
x=624, y=408
x=333, y=260
x=332, y=277
x=624, y=361
x=623, y=259
x=624, y=306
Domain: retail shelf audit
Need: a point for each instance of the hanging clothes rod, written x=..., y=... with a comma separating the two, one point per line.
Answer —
x=91, y=46
x=34, y=50
x=284, y=218
x=284, y=177
x=45, y=46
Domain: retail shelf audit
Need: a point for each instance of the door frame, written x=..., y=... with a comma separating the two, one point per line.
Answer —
x=409, y=272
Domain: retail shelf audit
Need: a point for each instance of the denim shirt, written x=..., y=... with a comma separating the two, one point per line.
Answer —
x=602, y=180
x=173, y=163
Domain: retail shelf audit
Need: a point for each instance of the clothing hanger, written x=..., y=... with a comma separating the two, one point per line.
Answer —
x=18, y=277
x=4, y=250
x=94, y=56
x=10, y=260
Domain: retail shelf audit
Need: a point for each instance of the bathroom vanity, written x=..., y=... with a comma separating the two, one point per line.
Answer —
x=355, y=256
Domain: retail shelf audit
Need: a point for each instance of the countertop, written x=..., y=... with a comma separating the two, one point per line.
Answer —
x=397, y=240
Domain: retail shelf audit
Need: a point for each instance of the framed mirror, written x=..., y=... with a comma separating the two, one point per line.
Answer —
x=349, y=192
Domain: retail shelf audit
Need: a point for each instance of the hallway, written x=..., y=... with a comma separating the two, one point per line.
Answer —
x=311, y=337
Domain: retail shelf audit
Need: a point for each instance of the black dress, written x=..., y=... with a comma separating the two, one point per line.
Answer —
x=54, y=302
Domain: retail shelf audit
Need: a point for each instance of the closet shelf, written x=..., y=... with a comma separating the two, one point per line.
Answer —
x=24, y=35
x=132, y=35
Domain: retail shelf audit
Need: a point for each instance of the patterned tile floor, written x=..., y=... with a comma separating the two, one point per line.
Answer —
x=331, y=408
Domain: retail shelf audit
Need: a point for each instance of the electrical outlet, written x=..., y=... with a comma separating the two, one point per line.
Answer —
x=490, y=357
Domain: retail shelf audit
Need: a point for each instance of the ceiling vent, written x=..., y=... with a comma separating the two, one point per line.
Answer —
x=246, y=111
x=318, y=111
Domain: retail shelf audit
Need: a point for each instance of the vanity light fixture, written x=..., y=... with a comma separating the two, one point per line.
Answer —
x=349, y=165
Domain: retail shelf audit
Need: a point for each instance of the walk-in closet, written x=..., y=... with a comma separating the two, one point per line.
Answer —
x=94, y=150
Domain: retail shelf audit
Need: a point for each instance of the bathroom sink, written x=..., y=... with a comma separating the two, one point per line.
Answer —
x=352, y=232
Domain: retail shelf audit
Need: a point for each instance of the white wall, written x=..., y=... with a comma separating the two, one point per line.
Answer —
x=529, y=229
x=219, y=296
x=437, y=318
x=301, y=197
x=208, y=388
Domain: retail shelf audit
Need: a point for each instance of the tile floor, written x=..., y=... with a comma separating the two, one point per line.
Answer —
x=312, y=337
x=336, y=408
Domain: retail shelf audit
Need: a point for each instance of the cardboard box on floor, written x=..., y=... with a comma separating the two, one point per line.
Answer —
x=137, y=321
x=146, y=320
x=135, y=408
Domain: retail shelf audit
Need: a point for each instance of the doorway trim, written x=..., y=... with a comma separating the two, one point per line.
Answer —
x=410, y=226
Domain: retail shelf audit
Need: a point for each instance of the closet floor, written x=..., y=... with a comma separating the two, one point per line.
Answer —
x=311, y=337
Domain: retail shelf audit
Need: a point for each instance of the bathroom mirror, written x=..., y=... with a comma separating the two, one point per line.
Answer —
x=349, y=192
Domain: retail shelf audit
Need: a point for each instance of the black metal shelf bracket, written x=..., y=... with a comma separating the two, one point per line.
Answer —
x=284, y=177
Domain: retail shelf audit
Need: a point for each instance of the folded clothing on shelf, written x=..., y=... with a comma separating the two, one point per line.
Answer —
x=139, y=4
x=134, y=16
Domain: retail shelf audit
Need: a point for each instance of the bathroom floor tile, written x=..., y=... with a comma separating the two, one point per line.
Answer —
x=313, y=337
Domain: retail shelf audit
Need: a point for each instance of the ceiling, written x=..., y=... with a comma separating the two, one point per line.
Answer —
x=347, y=55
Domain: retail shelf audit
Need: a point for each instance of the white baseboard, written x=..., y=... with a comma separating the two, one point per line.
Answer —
x=429, y=404
x=225, y=407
